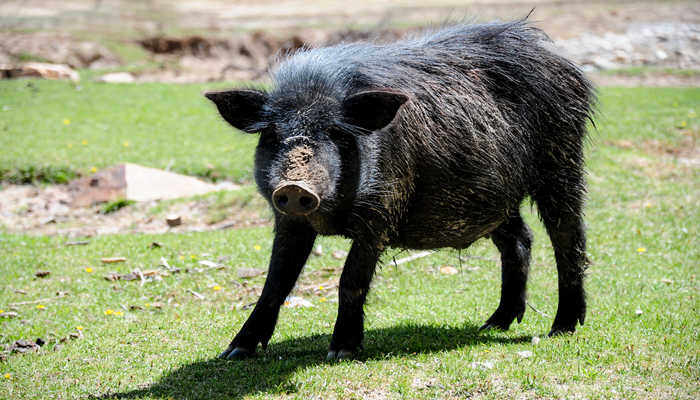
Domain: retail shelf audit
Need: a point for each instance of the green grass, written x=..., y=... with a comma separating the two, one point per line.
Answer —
x=651, y=71
x=71, y=129
x=421, y=331
x=79, y=127
x=115, y=205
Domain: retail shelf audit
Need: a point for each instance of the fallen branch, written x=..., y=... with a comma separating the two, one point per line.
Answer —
x=46, y=300
x=195, y=294
x=413, y=257
x=78, y=243
x=536, y=310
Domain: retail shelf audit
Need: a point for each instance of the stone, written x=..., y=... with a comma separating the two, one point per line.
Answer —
x=117, y=77
x=137, y=183
x=173, y=220
x=39, y=70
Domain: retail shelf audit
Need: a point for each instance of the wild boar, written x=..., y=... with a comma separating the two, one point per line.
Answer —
x=428, y=142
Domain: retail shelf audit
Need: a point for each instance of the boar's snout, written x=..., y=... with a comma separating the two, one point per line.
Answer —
x=295, y=198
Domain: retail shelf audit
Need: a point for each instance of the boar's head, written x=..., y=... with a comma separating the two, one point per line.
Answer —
x=307, y=162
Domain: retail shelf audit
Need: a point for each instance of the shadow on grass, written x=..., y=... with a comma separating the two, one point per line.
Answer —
x=270, y=370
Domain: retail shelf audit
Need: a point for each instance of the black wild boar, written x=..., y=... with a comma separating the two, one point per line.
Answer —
x=428, y=142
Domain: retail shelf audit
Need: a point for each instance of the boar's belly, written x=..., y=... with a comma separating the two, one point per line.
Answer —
x=431, y=231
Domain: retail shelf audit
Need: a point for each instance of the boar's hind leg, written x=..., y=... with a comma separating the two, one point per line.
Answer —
x=354, y=286
x=290, y=249
x=560, y=202
x=513, y=239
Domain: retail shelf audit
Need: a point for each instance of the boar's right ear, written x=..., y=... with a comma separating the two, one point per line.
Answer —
x=374, y=109
x=241, y=108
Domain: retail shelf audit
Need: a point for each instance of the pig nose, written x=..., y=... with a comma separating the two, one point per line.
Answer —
x=295, y=198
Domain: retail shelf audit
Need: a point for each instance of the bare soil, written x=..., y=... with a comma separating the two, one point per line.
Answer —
x=47, y=211
x=209, y=40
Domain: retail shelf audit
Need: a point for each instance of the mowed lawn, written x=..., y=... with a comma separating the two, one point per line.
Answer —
x=158, y=339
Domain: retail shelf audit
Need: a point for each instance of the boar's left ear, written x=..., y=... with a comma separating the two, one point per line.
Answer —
x=240, y=108
x=373, y=110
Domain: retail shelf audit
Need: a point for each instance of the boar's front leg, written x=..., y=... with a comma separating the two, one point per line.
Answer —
x=354, y=286
x=290, y=249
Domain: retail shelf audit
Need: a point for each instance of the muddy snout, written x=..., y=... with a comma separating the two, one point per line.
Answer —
x=295, y=198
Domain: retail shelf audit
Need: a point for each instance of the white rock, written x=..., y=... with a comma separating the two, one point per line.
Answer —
x=117, y=77
x=296, y=301
x=48, y=71
x=488, y=364
x=525, y=354
x=603, y=63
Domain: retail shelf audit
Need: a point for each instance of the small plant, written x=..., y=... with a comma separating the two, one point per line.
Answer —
x=115, y=205
x=38, y=174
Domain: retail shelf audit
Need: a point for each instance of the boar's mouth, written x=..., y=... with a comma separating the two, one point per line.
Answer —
x=295, y=198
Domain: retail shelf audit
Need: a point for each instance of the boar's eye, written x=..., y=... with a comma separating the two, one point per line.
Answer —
x=269, y=136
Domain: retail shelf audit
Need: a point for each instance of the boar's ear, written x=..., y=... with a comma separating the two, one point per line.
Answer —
x=373, y=110
x=240, y=108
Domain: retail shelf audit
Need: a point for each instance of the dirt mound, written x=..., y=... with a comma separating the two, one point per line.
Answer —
x=54, y=48
x=194, y=45
x=244, y=57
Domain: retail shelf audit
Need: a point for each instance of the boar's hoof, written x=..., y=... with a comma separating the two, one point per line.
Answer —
x=339, y=355
x=502, y=320
x=566, y=322
x=237, y=353
x=558, y=330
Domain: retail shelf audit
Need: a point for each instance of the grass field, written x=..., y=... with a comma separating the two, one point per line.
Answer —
x=159, y=340
x=77, y=128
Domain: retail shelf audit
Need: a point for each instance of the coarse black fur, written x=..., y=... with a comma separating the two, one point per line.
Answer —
x=428, y=142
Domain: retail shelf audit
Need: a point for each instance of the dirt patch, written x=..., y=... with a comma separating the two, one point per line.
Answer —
x=240, y=41
x=54, y=48
x=47, y=211
x=686, y=149
x=247, y=56
x=195, y=45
